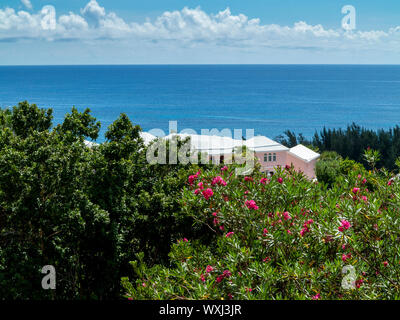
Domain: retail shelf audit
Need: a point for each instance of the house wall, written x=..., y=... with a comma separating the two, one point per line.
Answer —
x=308, y=168
x=283, y=158
x=268, y=166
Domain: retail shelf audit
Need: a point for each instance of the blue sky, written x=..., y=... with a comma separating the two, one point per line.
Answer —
x=208, y=31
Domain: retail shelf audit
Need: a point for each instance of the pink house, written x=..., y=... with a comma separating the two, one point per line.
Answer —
x=272, y=154
x=269, y=153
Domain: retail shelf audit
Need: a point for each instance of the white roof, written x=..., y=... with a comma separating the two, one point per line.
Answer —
x=213, y=144
x=147, y=137
x=90, y=144
x=264, y=144
x=210, y=144
x=304, y=153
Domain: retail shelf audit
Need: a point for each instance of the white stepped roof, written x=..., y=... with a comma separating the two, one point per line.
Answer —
x=210, y=144
x=304, y=153
x=264, y=144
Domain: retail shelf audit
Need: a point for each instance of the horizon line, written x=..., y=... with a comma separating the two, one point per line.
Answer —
x=203, y=64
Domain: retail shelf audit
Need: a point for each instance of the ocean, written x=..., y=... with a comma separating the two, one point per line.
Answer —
x=267, y=98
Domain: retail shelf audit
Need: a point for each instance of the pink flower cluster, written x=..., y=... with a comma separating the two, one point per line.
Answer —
x=344, y=225
x=286, y=215
x=264, y=180
x=218, y=180
x=225, y=274
x=346, y=256
x=251, y=204
x=248, y=179
x=207, y=193
x=306, y=227
x=194, y=177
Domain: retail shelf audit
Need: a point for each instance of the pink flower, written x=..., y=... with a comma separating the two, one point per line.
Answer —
x=364, y=181
x=304, y=231
x=385, y=263
x=185, y=240
x=215, y=221
x=364, y=198
x=222, y=228
x=248, y=179
x=355, y=190
x=390, y=182
x=191, y=179
x=130, y=298
x=200, y=185
x=316, y=297
x=214, y=214
x=345, y=225
x=280, y=180
x=225, y=168
x=218, y=180
x=249, y=289
x=227, y=273
x=289, y=232
x=286, y=215
x=264, y=180
x=229, y=234
x=266, y=259
x=197, y=191
x=265, y=231
x=209, y=269
x=251, y=204
x=208, y=193
x=346, y=256
x=203, y=278
x=287, y=167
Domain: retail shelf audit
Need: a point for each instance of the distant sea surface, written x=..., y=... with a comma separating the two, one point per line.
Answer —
x=266, y=98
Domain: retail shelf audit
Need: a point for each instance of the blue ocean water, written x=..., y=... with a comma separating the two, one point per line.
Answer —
x=266, y=98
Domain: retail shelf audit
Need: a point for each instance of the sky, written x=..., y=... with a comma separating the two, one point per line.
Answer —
x=45, y=32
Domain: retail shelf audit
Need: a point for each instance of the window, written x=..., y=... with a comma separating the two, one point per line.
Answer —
x=265, y=157
x=274, y=158
x=269, y=157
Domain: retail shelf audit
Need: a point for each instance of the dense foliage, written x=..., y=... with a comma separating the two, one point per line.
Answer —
x=86, y=211
x=283, y=237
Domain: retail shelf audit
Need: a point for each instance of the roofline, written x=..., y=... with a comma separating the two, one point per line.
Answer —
x=306, y=160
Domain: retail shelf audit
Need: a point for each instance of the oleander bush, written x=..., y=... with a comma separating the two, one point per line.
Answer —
x=283, y=237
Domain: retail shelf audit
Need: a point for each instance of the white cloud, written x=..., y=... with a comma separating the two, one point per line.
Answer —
x=27, y=4
x=189, y=27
